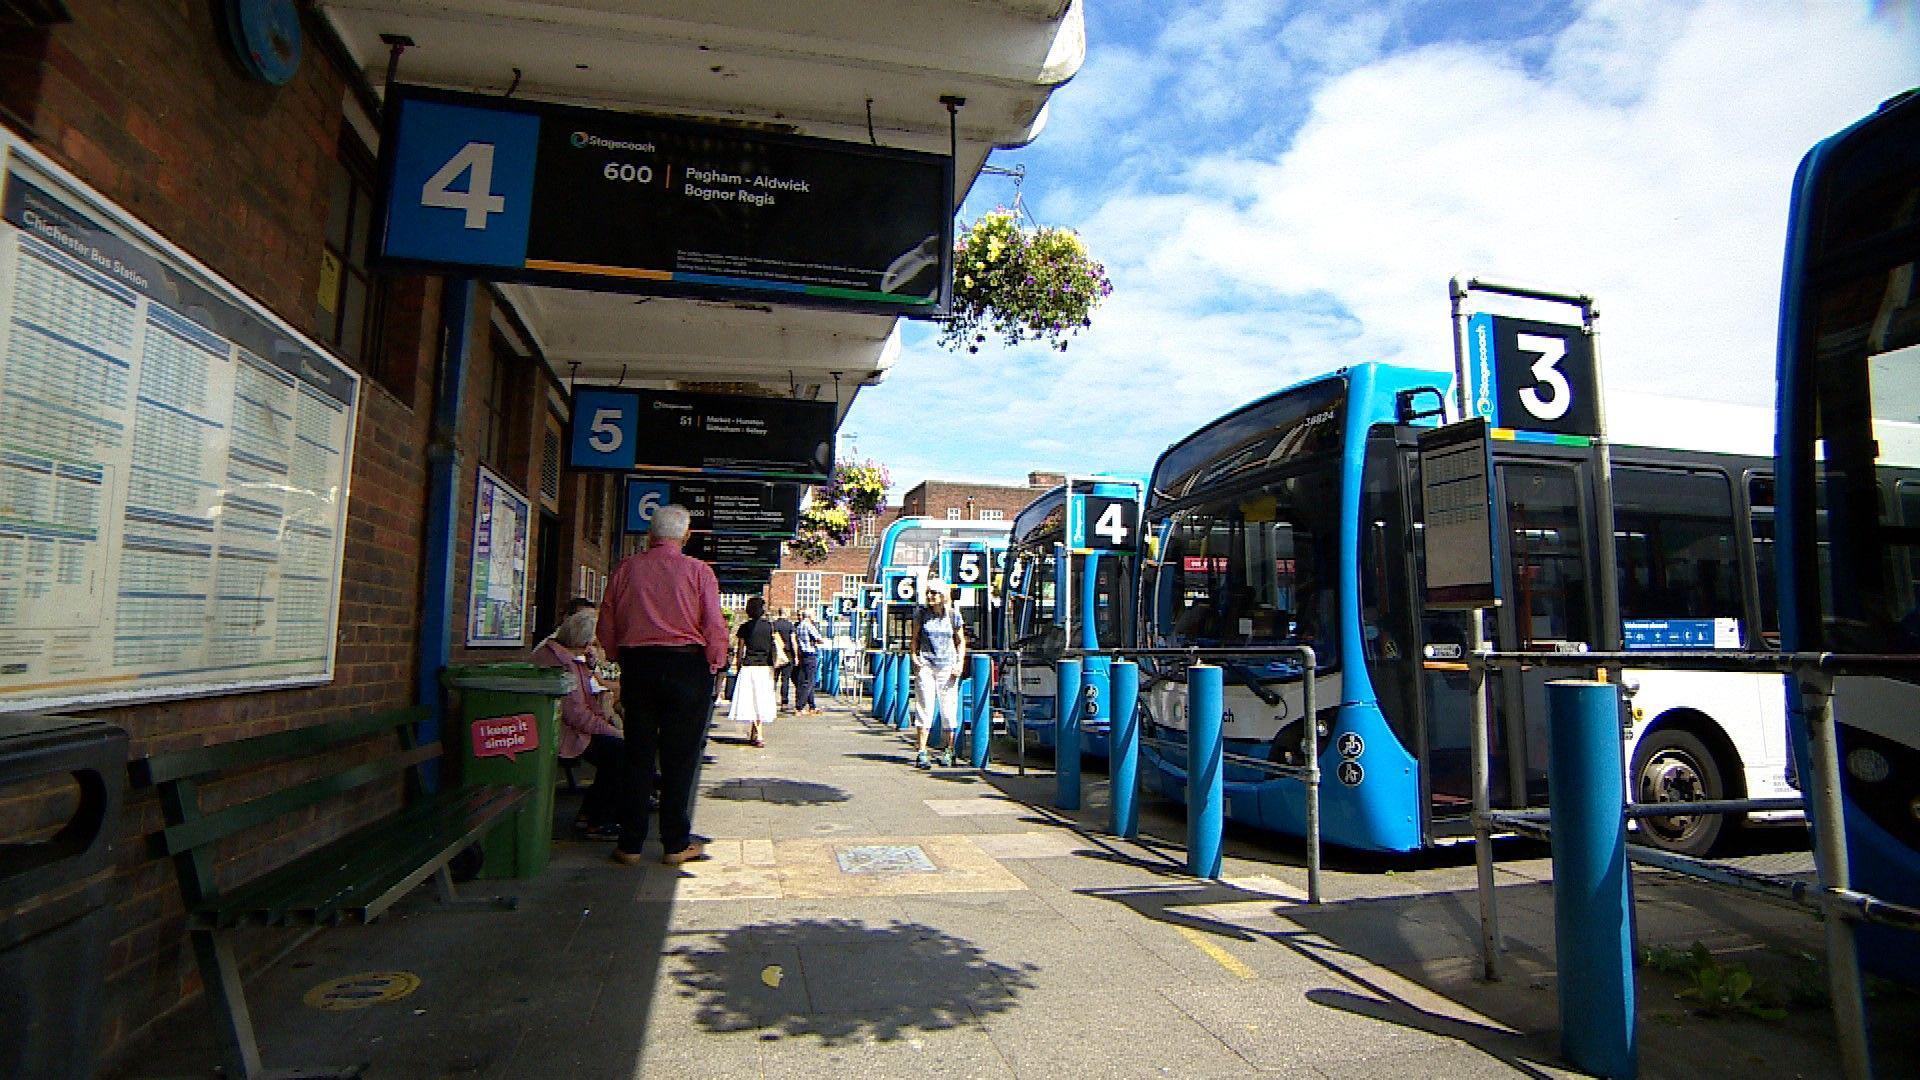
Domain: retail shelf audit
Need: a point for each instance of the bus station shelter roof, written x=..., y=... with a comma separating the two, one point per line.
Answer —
x=813, y=69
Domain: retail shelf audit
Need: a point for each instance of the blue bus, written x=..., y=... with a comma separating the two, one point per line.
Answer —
x=1297, y=520
x=1056, y=595
x=909, y=551
x=1849, y=513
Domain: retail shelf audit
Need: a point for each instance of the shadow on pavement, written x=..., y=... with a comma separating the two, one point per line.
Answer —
x=844, y=981
x=776, y=790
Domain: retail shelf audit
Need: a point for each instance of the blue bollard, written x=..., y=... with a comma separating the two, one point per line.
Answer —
x=979, y=710
x=1066, y=735
x=882, y=684
x=1206, y=771
x=829, y=667
x=1592, y=904
x=903, y=692
x=1123, y=750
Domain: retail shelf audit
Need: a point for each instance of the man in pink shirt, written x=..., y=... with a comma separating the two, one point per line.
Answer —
x=660, y=617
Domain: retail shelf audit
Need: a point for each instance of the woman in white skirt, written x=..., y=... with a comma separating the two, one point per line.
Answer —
x=757, y=652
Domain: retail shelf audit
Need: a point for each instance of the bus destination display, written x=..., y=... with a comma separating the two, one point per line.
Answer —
x=714, y=434
x=739, y=507
x=587, y=198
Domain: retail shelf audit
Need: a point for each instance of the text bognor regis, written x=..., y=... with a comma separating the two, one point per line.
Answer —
x=711, y=185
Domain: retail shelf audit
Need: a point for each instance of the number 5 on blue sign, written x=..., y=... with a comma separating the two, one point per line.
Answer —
x=605, y=424
x=462, y=185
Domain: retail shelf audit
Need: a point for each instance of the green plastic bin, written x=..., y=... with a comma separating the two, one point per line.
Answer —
x=509, y=733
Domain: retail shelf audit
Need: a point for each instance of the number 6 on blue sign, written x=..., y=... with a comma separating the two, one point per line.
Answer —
x=461, y=190
x=605, y=425
x=643, y=498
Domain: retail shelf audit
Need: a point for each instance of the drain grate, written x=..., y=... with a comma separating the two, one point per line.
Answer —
x=884, y=859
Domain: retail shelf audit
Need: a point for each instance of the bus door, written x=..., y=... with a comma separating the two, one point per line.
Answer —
x=1552, y=602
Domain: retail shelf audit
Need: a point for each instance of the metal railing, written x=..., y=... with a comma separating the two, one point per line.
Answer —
x=1831, y=897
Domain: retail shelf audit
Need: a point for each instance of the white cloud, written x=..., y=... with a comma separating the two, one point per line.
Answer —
x=1641, y=154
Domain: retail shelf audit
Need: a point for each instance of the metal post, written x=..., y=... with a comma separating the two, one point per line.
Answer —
x=980, y=708
x=903, y=691
x=1020, y=712
x=1482, y=798
x=882, y=684
x=1311, y=706
x=1123, y=750
x=1830, y=858
x=1206, y=771
x=1592, y=905
x=1066, y=735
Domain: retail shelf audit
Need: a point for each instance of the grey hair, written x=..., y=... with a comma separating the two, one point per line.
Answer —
x=670, y=522
x=576, y=630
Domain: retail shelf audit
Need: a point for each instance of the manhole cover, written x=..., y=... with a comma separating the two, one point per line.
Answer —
x=885, y=859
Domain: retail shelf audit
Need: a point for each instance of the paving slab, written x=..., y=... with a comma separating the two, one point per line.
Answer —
x=861, y=917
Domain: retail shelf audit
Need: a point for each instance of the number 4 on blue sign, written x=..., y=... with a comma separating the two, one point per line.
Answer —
x=461, y=189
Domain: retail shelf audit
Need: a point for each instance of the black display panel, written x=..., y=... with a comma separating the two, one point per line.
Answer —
x=715, y=434
x=738, y=507
x=586, y=198
x=734, y=550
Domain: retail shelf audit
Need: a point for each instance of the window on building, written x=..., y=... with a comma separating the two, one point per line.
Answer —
x=993, y=515
x=953, y=513
x=806, y=590
x=868, y=533
x=733, y=601
x=351, y=303
x=495, y=391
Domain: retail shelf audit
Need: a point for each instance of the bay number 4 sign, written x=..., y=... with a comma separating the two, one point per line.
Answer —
x=1104, y=523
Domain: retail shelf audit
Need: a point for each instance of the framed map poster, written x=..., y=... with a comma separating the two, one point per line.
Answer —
x=497, y=583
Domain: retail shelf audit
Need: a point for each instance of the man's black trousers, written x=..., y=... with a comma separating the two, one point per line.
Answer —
x=668, y=697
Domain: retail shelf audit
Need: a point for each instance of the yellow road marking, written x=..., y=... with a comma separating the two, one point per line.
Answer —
x=1220, y=956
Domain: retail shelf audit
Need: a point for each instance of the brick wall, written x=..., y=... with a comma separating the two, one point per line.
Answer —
x=841, y=563
x=140, y=99
x=936, y=498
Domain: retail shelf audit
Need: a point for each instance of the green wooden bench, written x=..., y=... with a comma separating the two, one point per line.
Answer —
x=351, y=880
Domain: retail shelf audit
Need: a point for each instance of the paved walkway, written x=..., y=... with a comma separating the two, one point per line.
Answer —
x=861, y=917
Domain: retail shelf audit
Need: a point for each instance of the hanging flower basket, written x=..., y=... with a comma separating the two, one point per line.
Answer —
x=860, y=486
x=1031, y=284
x=821, y=527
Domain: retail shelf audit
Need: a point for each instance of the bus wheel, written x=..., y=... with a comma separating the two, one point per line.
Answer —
x=1675, y=766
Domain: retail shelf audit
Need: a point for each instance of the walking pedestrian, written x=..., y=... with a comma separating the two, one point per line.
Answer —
x=939, y=650
x=661, y=618
x=757, y=653
x=783, y=672
x=806, y=645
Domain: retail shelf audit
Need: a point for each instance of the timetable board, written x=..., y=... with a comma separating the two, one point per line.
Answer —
x=174, y=464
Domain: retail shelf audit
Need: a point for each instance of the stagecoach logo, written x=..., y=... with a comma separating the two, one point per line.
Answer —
x=1226, y=717
x=1480, y=333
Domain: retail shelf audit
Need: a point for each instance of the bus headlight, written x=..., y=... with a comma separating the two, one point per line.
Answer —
x=1869, y=766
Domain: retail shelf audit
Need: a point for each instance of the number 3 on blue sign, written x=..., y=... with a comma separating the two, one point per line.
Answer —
x=462, y=185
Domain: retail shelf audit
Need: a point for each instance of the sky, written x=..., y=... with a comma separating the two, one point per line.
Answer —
x=1279, y=189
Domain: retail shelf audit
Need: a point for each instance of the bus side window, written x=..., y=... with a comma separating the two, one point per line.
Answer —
x=1674, y=540
x=1760, y=515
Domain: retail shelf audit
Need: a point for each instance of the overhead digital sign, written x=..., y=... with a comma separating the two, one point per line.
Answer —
x=714, y=434
x=734, y=550
x=735, y=507
x=585, y=198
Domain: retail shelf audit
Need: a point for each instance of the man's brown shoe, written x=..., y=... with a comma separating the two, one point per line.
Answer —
x=690, y=853
x=628, y=858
